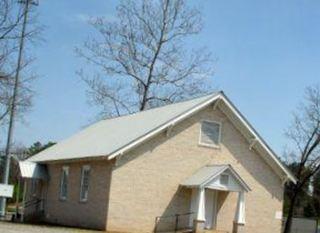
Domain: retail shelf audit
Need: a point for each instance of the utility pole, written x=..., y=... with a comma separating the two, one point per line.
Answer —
x=13, y=102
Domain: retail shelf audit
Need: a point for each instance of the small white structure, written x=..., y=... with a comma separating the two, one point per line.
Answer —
x=6, y=190
x=33, y=173
x=33, y=170
x=205, y=184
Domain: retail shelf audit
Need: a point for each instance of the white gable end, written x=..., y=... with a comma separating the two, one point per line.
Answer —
x=232, y=185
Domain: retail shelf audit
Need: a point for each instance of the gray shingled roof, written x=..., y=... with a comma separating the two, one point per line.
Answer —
x=108, y=136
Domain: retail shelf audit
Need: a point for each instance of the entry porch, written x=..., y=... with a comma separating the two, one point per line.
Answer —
x=210, y=186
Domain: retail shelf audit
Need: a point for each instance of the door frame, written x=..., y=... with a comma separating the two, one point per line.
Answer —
x=214, y=208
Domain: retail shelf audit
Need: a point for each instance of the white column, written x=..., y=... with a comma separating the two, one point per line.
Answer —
x=240, y=216
x=201, y=205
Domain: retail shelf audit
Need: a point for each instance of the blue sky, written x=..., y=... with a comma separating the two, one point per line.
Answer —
x=267, y=52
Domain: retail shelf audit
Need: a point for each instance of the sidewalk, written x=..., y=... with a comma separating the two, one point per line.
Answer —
x=9, y=227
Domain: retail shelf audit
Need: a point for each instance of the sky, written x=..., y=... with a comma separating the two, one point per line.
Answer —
x=267, y=52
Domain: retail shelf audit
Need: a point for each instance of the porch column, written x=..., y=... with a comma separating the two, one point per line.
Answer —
x=200, y=214
x=238, y=226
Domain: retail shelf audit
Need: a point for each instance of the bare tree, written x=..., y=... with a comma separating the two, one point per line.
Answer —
x=305, y=135
x=8, y=29
x=139, y=59
x=11, y=15
x=24, y=101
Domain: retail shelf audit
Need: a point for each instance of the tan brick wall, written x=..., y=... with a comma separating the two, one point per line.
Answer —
x=72, y=212
x=145, y=182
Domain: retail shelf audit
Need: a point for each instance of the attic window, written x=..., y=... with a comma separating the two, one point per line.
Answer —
x=224, y=179
x=210, y=133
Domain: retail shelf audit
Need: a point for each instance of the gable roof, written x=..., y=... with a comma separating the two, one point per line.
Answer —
x=112, y=137
x=108, y=136
x=206, y=174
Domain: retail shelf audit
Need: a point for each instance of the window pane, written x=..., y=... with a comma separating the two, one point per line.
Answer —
x=84, y=183
x=210, y=133
x=64, y=183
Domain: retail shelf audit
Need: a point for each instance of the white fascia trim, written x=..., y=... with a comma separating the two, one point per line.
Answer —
x=163, y=127
x=258, y=138
x=233, y=172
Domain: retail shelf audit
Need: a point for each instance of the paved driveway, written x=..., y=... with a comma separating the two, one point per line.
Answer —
x=8, y=227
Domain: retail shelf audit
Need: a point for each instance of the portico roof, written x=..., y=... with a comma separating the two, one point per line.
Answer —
x=33, y=170
x=205, y=177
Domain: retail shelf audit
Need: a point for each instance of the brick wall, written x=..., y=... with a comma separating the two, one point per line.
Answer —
x=145, y=182
x=72, y=212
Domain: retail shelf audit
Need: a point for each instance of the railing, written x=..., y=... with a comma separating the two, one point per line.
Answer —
x=32, y=202
x=35, y=203
x=174, y=223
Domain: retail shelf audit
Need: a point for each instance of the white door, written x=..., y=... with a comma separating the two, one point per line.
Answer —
x=210, y=208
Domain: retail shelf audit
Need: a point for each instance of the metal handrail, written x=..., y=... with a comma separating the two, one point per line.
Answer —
x=176, y=220
x=170, y=216
x=32, y=202
x=20, y=210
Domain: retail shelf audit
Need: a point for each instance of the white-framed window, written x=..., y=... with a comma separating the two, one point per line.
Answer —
x=64, y=183
x=84, y=185
x=224, y=179
x=210, y=134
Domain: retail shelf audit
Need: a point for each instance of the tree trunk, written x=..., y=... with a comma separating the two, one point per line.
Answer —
x=287, y=227
x=143, y=103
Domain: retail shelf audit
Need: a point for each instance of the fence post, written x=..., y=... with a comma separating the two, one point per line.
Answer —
x=177, y=222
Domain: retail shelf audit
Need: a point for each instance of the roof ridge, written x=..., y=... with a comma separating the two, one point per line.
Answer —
x=163, y=106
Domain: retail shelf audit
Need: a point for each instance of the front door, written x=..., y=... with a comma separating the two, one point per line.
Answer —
x=210, y=208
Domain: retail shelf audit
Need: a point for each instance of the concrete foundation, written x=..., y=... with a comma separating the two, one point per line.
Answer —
x=198, y=226
x=238, y=228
